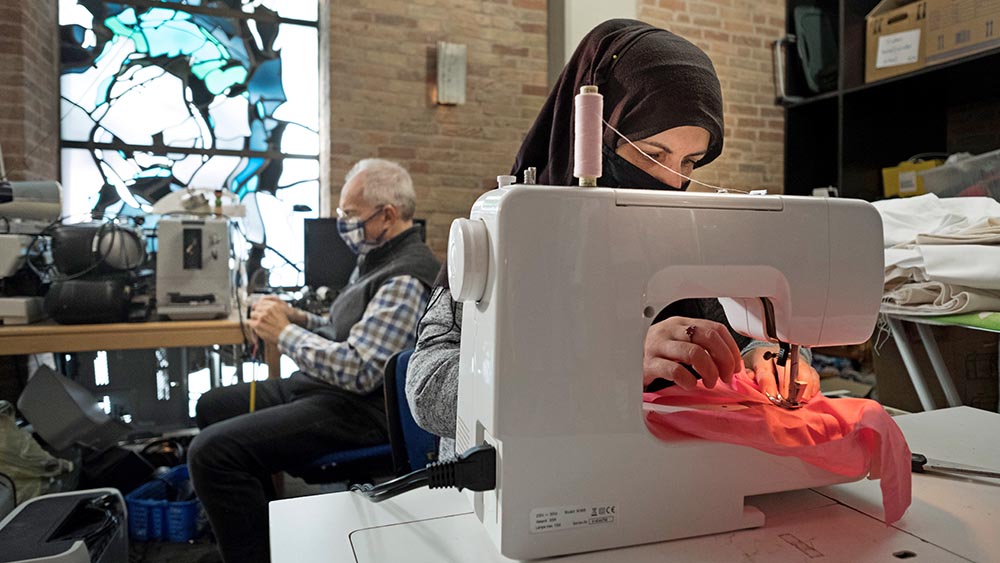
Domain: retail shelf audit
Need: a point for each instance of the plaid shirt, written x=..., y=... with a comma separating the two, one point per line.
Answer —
x=387, y=326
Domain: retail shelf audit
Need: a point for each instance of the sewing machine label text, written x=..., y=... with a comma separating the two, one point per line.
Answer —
x=571, y=517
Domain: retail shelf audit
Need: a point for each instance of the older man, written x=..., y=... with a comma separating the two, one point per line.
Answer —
x=333, y=402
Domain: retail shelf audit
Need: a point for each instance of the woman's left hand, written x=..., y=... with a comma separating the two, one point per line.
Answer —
x=763, y=371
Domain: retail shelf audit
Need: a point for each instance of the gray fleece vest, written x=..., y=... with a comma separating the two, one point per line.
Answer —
x=405, y=255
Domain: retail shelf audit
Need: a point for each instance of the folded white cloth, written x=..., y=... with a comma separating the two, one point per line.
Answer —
x=983, y=231
x=970, y=265
x=906, y=218
x=903, y=265
x=936, y=298
x=942, y=256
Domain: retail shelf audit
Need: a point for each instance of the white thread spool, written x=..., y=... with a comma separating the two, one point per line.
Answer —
x=588, y=110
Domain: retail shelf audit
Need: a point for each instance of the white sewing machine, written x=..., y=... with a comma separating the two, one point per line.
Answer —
x=193, y=279
x=560, y=286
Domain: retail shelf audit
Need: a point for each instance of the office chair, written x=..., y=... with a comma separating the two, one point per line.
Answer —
x=410, y=447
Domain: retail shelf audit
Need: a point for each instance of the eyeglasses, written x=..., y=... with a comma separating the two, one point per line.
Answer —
x=350, y=213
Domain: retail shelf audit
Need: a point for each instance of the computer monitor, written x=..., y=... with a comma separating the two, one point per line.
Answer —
x=422, y=224
x=328, y=261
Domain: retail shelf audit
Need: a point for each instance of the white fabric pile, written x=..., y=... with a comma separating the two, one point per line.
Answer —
x=942, y=255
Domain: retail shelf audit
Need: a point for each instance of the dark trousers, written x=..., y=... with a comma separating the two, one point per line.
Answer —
x=295, y=421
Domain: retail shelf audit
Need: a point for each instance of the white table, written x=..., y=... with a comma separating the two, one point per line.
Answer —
x=950, y=519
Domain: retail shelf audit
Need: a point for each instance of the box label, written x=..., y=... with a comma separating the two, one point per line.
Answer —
x=896, y=49
x=571, y=517
x=907, y=182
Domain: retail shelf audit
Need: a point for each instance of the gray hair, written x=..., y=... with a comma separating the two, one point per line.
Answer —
x=386, y=183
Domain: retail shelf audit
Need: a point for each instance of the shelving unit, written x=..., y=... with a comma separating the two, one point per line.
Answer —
x=844, y=137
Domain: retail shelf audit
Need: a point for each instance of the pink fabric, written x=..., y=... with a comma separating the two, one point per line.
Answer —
x=845, y=436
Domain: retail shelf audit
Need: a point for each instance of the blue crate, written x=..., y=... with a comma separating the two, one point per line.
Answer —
x=152, y=517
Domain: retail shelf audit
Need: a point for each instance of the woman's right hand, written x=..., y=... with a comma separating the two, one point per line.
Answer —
x=706, y=346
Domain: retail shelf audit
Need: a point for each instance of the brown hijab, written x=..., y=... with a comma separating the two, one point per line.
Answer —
x=652, y=80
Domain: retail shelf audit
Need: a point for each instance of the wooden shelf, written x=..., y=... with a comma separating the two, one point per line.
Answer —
x=845, y=137
x=812, y=99
x=985, y=61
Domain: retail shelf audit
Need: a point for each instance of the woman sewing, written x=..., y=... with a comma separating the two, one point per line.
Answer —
x=663, y=114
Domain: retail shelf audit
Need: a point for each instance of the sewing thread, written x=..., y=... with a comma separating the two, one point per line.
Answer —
x=719, y=189
x=588, y=115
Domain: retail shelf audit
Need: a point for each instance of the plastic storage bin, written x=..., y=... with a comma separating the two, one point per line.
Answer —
x=152, y=516
x=972, y=176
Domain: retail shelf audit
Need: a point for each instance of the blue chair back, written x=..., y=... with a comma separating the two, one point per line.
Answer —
x=420, y=446
x=410, y=447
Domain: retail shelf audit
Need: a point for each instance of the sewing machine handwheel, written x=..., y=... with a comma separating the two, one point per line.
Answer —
x=468, y=259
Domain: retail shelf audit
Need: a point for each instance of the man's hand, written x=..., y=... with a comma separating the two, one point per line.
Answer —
x=706, y=346
x=270, y=316
x=763, y=371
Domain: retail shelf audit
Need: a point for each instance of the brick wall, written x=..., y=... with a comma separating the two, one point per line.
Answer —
x=381, y=78
x=29, y=89
x=382, y=75
x=737, y=36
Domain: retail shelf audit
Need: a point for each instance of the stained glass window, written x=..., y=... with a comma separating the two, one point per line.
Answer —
x=161, y=95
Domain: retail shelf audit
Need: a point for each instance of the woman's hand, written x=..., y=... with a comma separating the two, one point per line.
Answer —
x=706, y=346
x=763, y=371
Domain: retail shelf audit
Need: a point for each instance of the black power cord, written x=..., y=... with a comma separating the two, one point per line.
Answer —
x=476, y=470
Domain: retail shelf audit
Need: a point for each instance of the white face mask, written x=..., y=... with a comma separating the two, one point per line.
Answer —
x=352, y=230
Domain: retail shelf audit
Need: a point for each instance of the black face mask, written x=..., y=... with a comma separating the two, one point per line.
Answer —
x=620, y=173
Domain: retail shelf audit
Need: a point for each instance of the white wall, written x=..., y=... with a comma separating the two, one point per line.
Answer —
x=570, y=20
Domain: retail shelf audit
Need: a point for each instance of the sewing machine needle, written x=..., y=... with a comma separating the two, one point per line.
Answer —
x=792, y=369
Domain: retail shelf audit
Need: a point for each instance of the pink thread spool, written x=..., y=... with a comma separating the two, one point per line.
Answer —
x=588, y=111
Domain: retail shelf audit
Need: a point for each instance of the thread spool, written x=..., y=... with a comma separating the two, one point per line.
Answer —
x=529, y=175
x=588, y=111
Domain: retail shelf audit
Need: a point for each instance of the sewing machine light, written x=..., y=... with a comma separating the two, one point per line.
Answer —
x=468, y=259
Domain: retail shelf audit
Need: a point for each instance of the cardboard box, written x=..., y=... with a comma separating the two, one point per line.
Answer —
x=903, y=181
x=970, y=355
x=894, y=43
x=956, y=28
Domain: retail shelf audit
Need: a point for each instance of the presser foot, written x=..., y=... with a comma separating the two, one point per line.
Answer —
x=784, y=403
x=787, y=355
x=796, y=391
